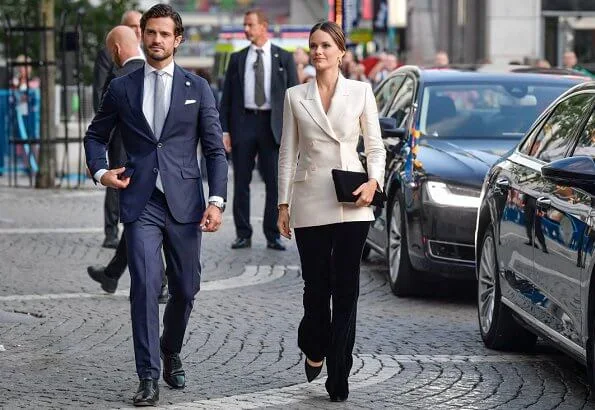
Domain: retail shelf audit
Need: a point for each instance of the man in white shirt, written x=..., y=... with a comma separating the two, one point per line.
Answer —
x=163, y=113
x=251, y=115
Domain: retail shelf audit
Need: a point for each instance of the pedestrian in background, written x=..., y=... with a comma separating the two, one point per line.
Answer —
x=103, y=72
x=163, y=113
x=570, y=62
x=302, y=63
x=251, y=116
x=386, y=65
x=441, y=59
x=122, y=45
x=322, y=124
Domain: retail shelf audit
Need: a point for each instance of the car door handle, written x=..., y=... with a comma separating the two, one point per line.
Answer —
x=543, y=203
x=502, y=185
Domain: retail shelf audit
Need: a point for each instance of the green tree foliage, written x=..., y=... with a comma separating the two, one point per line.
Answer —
x=95, y=22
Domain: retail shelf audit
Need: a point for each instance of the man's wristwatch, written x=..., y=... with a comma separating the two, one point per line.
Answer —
x=218, y=204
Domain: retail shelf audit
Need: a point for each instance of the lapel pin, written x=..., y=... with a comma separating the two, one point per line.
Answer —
x=276, y=55
x=187, y=83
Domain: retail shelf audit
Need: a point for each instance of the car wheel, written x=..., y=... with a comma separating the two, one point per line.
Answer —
x=366, y=252
x=401, y=275
x=499, y=330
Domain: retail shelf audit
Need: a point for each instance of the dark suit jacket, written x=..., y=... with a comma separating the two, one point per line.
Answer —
x=102, y=69
x=174, y=155
x=116, y=152
x=283, y=76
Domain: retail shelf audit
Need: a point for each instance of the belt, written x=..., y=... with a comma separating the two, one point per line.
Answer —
x=256, y=112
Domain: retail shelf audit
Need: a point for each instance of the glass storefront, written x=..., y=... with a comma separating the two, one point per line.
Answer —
x=569, y=25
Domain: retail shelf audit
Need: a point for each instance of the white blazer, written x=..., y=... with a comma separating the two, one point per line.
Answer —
x=313, y=143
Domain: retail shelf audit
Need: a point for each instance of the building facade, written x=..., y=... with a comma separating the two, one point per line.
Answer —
x=501, y=31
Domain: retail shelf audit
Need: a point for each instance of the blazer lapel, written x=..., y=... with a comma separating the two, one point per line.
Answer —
x=313, y=105
x=339, y=103
x=134, y=92
x=242, y=66
x=176, y=104
x=277, y=70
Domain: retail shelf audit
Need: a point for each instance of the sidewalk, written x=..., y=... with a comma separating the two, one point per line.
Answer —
x=66, y=344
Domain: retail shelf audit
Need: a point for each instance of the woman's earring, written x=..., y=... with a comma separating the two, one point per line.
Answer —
x=340, y=61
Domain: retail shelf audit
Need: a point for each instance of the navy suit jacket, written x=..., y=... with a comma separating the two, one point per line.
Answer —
x=174, y=155
x=283, y=76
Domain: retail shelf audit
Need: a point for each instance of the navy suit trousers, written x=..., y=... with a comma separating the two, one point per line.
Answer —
x=155, y=229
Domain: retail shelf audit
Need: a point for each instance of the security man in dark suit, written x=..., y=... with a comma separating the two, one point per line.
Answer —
x=122, y=45
x=103, y=72
x=252, y=119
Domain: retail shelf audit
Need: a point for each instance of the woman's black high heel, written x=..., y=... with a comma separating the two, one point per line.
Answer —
x=312, y=372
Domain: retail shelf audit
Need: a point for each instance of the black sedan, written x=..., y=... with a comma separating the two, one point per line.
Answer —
x=535, y=235
x=443, y=129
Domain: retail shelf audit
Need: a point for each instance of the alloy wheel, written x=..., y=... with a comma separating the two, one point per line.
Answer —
x=394, y=242
x=486, y=284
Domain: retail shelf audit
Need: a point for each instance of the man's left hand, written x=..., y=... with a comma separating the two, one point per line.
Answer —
x=211, y=219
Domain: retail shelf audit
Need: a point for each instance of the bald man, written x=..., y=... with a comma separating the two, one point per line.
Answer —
x=122, y=46
x=103, y=68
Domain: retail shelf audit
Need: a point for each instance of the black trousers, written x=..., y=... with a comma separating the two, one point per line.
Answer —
x=111, y=206
x=330, y=256
x=256, y=139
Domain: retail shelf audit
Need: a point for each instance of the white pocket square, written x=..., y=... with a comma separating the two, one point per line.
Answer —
x=189, y=102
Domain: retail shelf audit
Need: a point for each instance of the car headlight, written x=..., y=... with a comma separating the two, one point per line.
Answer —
x=452, y=195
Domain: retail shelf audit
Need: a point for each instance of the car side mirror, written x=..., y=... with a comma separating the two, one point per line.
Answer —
x=388, y=128
x=576, y=171
x=387, y=123
x=398, y=133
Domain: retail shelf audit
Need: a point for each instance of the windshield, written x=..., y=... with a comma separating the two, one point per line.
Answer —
x=473, y=110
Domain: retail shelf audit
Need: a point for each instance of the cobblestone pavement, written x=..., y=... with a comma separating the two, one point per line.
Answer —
x=64, y=344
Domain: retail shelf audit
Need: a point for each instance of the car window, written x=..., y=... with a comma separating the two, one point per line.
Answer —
x=402, y=102
x=555, y=136
x=586, y=142
x=525, y=146
x=484, y=108
x=386, y=92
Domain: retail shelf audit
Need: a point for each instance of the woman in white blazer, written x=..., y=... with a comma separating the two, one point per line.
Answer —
x=322, y=124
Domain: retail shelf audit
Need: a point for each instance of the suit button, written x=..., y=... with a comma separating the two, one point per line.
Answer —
x=159, y=145
x=155, y=170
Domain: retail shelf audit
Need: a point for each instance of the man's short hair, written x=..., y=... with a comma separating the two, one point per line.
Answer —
x=262, y=17
x=163, y=10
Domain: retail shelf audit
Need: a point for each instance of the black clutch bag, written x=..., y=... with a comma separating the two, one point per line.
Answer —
x=348, y=181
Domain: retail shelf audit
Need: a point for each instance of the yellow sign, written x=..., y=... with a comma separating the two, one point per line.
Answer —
x=361, y=35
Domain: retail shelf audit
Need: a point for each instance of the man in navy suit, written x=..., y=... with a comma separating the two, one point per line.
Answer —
x=163, y=112
x=252, y=120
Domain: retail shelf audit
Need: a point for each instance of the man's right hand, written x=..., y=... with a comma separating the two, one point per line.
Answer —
x=227, y=141
x=112, y=178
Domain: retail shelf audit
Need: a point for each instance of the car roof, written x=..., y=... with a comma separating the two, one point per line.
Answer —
x=439, y=75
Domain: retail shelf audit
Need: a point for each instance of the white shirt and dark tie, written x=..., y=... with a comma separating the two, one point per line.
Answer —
x=157, y=88
x=250, y=77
